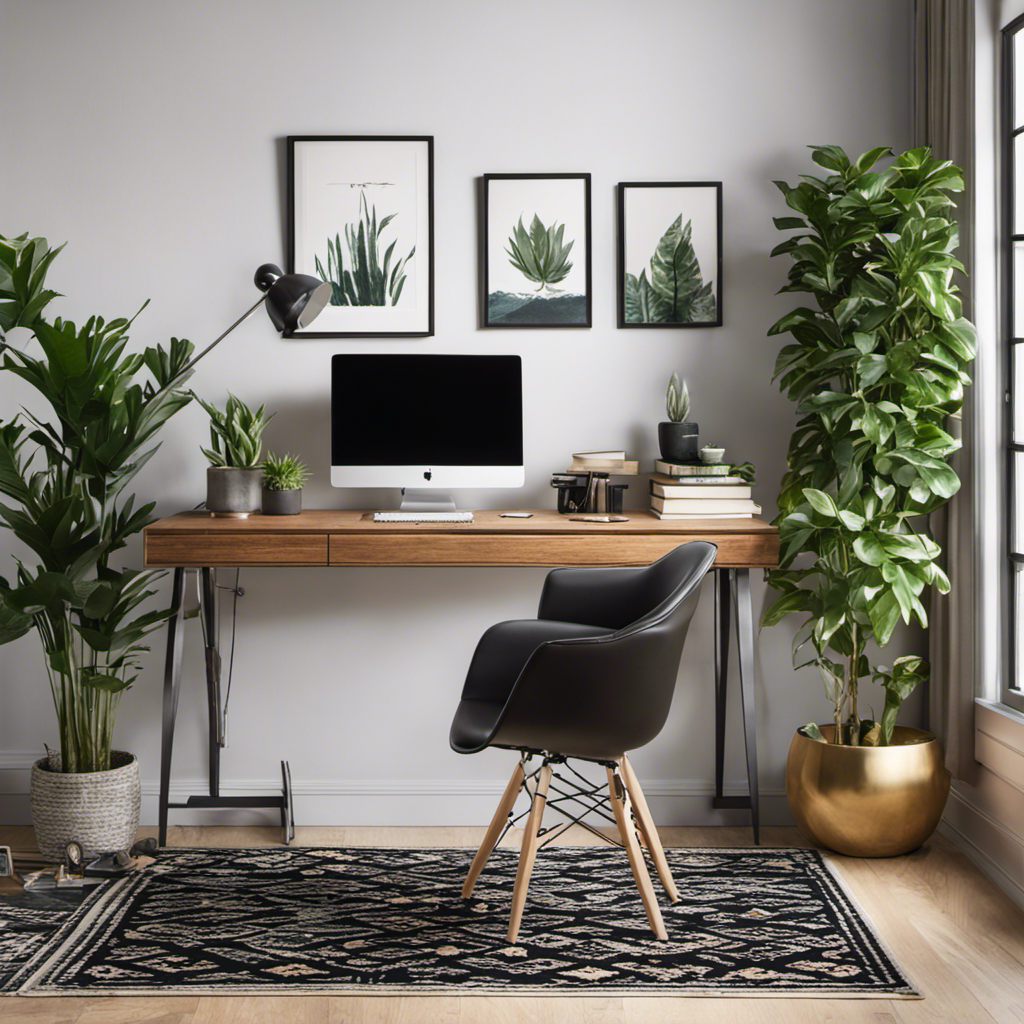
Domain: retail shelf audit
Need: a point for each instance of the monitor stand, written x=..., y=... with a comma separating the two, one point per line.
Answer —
x=426, y=501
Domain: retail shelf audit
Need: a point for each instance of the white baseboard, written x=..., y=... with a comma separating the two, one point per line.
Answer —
x=997, y=851
x=388, y=801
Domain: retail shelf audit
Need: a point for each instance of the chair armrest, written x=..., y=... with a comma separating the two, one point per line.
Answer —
x=600, y=597
x=505, y=649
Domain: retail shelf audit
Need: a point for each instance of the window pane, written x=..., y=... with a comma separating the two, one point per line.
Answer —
x=1018, y=75
x=1017, y=514
x=1018, y=288
x=1017, y=680
x=1017, y=395
x=1018, y=184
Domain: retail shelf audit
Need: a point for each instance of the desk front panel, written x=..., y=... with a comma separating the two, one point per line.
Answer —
x=541, y=550
x=235, y=549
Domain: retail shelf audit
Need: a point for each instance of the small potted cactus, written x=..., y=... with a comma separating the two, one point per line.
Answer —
x=283, y=479
x=678, y=437
x=235, y=474
x=712, y=454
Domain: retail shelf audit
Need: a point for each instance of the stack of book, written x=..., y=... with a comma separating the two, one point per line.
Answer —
x=699, y=491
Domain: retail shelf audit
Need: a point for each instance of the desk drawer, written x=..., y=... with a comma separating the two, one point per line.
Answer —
x=540, y=550
x=185, y=549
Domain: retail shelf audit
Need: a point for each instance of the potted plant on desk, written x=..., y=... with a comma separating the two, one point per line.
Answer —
x=877, y=368
x=283, y=479
x=64, y=481
x=677, y=438
x=234, y=479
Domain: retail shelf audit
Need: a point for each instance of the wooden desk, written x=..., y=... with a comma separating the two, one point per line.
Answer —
x=196, y=541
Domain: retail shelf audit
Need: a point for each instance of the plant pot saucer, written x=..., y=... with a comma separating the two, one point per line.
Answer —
x=230, y=515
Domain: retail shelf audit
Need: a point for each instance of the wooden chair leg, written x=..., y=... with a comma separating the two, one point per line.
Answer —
x=528, y=853
x=648, y=830
x=619, y=797
x=498, y=823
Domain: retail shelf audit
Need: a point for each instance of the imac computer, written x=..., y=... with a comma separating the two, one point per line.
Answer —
x=427, y=424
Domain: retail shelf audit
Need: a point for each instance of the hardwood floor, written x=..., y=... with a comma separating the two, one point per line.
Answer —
x=957, y=936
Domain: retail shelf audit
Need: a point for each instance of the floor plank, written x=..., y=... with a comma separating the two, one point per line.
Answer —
x=959, y=938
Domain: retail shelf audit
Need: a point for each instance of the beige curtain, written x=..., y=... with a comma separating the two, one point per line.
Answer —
x=944, y=120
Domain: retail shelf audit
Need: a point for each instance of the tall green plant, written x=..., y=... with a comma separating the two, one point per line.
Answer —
x=877, y=365
x=65, y=482
x=369, y=282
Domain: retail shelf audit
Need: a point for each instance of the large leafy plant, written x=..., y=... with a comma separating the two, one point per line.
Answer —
x=538, y=254
x=64, y=481
x=676, y=292
x=876, y=365
x=368, y=281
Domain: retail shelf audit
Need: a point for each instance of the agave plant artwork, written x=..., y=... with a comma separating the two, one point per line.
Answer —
x=539, y=255
x=676, y=292
x=367, y=280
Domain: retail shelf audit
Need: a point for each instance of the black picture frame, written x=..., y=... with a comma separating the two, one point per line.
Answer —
x=622, y=228
x=485, y=318
x=292, y=140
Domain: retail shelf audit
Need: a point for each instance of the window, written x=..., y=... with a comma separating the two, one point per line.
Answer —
x=1012, y=139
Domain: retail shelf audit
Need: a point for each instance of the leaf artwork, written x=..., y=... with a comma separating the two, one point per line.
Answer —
x=676, y=292
x=367, y=280
x=539, y=255
x=876, y=363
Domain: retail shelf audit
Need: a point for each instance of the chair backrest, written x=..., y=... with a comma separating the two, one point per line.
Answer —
x=600, y=697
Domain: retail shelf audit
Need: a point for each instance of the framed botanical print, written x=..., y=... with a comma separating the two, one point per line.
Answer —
x=536, y=250
x=670, y=254
x=361, y=217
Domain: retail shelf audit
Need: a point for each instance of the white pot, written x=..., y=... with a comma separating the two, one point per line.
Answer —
x=98, y=810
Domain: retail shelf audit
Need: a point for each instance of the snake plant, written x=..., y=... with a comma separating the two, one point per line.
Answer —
x=236, y=433
x=367, y=281
x=677, y=400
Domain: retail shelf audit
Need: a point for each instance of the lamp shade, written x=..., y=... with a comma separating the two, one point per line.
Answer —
x=293, y=300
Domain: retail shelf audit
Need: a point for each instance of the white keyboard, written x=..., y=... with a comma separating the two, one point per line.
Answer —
x=423, y=517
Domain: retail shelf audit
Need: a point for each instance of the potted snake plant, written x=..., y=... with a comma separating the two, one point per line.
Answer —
x=234, y=479
x=877, y=363
x=677, y=438
x=64, y=479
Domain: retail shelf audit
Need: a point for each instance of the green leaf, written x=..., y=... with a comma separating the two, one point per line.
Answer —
x=821, y=502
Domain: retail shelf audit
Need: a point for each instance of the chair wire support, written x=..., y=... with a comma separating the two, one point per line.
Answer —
x=592, y=798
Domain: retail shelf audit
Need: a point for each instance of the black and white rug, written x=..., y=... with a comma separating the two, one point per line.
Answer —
x=392, y=921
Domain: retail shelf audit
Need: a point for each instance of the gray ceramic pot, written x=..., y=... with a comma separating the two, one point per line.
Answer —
x=233, y=492
x=678, y=441
x=282, y=503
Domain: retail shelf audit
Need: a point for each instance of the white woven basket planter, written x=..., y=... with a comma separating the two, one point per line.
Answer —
x=99, y=810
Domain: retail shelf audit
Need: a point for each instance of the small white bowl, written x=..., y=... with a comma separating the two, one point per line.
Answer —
x=711, y=456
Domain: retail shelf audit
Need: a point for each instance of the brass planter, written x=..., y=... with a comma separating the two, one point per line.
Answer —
x=867, y=801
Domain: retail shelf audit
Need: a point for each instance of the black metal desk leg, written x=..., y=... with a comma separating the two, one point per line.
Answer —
x=172, y=686
x=209, y=613
x=723, y=611
x=745, y=639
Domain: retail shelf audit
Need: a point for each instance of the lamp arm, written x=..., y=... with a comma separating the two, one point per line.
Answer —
x=213, y=344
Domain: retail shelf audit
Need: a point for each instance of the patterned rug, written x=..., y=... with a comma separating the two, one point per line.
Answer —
x=392, y=921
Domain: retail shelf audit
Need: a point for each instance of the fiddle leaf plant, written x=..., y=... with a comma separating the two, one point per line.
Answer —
x=877, y=365
x=64, y=481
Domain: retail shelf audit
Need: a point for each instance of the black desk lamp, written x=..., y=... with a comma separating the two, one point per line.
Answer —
x=293, y=301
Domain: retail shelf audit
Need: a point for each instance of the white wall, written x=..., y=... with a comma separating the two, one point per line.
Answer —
x=149, y=135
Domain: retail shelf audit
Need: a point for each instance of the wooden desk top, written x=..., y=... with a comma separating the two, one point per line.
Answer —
x=349, y=537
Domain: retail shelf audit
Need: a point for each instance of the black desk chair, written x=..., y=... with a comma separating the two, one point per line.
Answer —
x=591, y=677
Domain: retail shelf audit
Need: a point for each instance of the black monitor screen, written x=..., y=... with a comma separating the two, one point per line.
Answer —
x=423, y=410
